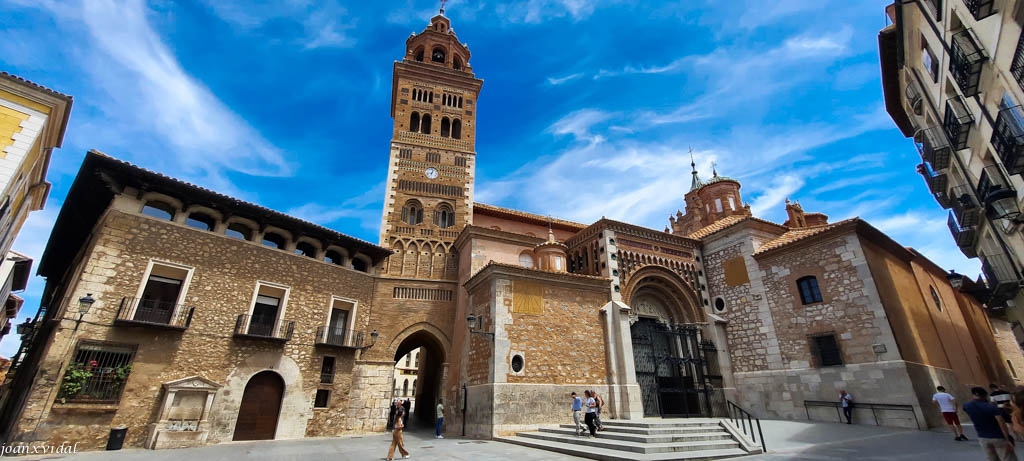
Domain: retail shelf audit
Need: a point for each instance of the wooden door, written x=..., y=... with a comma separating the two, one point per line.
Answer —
x=261, y=405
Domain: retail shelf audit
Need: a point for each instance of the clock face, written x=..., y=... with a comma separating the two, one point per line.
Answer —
x=431, y=173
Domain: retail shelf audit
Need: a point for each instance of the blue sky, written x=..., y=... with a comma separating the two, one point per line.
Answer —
x=587, y=110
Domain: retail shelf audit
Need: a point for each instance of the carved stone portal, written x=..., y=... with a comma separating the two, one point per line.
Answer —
x=184, y=414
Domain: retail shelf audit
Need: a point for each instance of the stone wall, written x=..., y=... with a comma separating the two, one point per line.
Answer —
x=1010, y=350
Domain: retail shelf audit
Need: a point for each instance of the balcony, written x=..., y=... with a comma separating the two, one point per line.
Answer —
x=997, y=194
x=336, y=337
x=966, y=59
x=957, y=122
x=280, y=331
x=153, y=313
x=965, y=207
x=965, y=237
x=980, y=9
x=913, y=94
x=1003, y=279
x=1017, y=67
x=938, y=184
x=1008, y=138
x=934, y=147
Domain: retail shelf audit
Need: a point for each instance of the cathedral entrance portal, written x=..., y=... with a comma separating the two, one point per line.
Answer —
x=419, y=366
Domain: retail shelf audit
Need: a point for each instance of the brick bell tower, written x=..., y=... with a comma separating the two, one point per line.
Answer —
x=429, y=194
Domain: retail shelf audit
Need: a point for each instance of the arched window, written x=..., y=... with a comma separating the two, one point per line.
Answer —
x=460, y=102
x=525, y=260
x=425, y=124
x=360, y=265
x=414, y=122
x=201, y=220
x=412, y=212
x=405, y=387
x=430, y=97
x=159, y=210
x=446, y=127
x=437, y=55
x=333, y=257
x=239, y=231
x=419, y=54
x=457, y=63
x=408, y=360
x=457, y=129
x=273, y=240
x=444, y=217
x=416, y=360
x=414, y=387
x=305, y=249
x=809, y=291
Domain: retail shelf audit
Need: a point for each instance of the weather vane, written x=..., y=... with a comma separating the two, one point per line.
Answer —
x=442, y=5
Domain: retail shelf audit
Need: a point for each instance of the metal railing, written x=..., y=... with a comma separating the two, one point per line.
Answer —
x=248, y=327
x=965, y=237
x=1017, y=67
x=744, y=421
x=331, y=336
x=957, y=122
x=97, y=373
x=1003, y=279
x=1008, y=138
x=874, y=407
x=938, y=184
x=151, y=312
x=934, y=147
x=980, y=9
x=965, y=63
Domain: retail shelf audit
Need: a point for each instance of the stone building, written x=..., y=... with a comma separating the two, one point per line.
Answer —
x=405, y=377
x=953, y=80
x=15, y=271
x=194, y=318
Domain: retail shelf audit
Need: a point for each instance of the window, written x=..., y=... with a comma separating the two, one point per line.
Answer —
x=97, y=372
x=338, y=322
x=305, y=249
x=414, y=121
x=333, y=257
x=437, y=55
x=408, y=360
x=412, y=212
x=239, y=231
x=159, y=210
x=935, y=8
x=360, y=265
x=825, y=350
x=444, y=217
x=1012, y=370
x=201, y=221
x=322, y=397
x=928, y=61
x=732, y=203
x=517, y=363
x=267, y=308
x=327, y=370
x=457, y=129
x=163, y=290
x=719, y=304
x=425, y=124
x=718, y=205
x=935, y=297
x=457, y=65
x=405, y=388
x=414, y=388
x=415, y=359
x=526, y=260
x=558, y=263
x=809, y=292
x=446, y=127
x=274, y=240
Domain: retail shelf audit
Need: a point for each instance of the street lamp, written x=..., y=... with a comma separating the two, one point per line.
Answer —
x=474, y=324
x=84, y=303
x=955, y=280
x=26, y=327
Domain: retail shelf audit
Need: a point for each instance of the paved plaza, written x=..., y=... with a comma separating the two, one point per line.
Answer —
x=788, y=440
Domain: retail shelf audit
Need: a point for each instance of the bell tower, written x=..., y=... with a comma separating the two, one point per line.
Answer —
x=429, y=193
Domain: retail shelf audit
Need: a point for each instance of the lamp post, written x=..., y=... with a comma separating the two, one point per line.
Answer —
x=955, y=280
x=473, y=322
x=84, y=304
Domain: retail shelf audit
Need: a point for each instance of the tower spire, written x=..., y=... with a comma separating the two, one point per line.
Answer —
x=442, y=6
x=696, y=183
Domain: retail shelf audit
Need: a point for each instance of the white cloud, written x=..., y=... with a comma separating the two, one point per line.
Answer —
x=561, y=80
x=321, y=22
x=579, y=123
x=782, y=187
x=538, y=11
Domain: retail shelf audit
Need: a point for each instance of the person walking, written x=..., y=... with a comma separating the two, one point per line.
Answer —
x=440, y=419
x=597, y=414
x=577, y=408
x=397, y=439
x=947, y=405
x=993, y=436
x=407, y=408
x=1000, y=397
x=847, y=402
x=591, y=405
x=391, y=415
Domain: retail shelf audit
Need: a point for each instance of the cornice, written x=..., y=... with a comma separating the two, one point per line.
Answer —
x=494, y=269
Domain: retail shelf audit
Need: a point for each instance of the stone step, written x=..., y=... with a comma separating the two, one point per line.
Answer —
x=635, y=447
x=605, y=454
x=654, y=430
x=714, y=434
x=661, y=423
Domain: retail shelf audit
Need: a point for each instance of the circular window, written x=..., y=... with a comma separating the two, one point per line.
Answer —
x=517, y=363
x=719, y=304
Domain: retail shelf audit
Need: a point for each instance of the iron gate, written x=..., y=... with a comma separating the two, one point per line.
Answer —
x=671, y=369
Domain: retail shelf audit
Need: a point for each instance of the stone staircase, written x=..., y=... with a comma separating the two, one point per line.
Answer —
x=644, y=440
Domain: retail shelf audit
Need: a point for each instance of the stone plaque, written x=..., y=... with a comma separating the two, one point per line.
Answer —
x=528, y=297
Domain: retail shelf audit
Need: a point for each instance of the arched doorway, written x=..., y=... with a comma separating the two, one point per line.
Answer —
x=668, y=347
x=426, y=356
x=260, y=407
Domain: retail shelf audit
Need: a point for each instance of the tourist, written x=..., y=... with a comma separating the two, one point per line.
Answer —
x=597, y=414
x=440, y=419
x=391, y=414
x=591, y=413
x=846, y=400
x=577, y=408
x=947, y=405
x=993, y=435
x=407, y=408
x=998, y=396
x=396, y=435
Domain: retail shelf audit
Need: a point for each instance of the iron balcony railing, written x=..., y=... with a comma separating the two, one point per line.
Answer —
x=1003, y=279
x=980, y=9
x=154, y=313
x=965, y=237
x=257, y=328
x=1008, y=138
x=993, y=187
x=938, y=184
x=957, y=122
x=934, y=147
x=965, y=207
x=913, y=94
x=335, y=336
x=966, y=60
x=1017, y=67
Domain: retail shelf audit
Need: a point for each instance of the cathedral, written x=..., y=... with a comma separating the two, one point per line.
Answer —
x=194, y=318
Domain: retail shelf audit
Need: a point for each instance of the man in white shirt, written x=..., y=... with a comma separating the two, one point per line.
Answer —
x=947, y=405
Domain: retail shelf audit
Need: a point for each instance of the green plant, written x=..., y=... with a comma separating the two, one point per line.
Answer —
x=75, y=377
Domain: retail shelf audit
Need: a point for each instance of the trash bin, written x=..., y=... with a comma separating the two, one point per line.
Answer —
x=116, y=439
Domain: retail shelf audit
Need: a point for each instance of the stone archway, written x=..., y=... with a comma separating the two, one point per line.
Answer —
x=431, y=370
